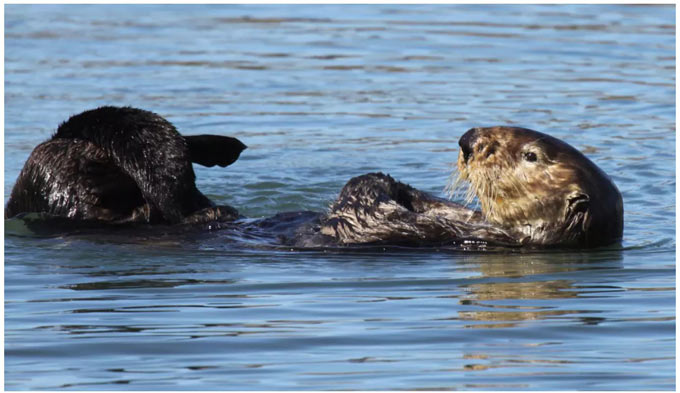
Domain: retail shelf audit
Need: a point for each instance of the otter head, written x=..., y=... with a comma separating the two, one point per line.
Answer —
x=539, y=188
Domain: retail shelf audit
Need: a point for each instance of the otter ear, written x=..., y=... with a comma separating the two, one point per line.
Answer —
x=211, y=150
x=578, y=205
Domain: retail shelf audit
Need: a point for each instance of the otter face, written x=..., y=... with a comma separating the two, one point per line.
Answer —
x=541, y=188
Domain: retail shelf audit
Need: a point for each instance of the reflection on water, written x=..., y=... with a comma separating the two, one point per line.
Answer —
x=507, y=301
x=321, y=94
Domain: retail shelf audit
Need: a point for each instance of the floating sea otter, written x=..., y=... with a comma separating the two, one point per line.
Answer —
x=126, y=165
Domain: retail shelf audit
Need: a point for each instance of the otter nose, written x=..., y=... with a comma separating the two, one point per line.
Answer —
x=467, y=142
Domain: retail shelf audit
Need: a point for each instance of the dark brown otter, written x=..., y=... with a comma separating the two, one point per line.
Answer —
x=125, y=165
x=533, y=189
x=121, y=165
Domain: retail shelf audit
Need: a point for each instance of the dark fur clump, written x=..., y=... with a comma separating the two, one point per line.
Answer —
x=118, y=164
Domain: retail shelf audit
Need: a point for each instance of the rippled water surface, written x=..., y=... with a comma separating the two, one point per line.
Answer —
x=321, y=94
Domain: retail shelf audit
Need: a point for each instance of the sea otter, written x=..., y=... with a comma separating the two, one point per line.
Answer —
x=125, y=165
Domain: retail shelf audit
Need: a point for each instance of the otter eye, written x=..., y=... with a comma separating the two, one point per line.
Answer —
x=530, y=156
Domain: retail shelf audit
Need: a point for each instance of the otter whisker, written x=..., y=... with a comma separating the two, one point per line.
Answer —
x=455, y=184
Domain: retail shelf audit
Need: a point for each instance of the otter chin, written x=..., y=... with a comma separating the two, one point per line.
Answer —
x=539, y=189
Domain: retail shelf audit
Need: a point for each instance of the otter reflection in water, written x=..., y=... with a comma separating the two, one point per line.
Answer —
x=123, y=166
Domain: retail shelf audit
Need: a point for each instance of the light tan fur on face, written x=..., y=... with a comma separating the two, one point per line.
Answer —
x=512, y=191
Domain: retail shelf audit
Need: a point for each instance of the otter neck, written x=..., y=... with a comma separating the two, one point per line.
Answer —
x=526, y=215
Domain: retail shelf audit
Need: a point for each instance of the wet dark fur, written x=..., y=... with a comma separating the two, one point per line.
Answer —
x=120, y=165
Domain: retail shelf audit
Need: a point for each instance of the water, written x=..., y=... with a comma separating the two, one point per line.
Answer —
x=321, y=94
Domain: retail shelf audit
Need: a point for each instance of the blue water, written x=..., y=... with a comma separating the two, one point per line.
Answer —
x=321, y=94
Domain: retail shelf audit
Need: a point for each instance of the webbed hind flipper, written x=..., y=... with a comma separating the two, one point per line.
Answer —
x=211, y=150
